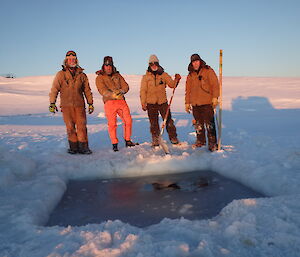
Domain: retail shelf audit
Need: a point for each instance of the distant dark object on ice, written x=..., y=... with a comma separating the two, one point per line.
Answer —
x=9, y=76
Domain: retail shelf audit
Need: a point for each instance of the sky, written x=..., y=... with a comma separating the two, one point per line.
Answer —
x=258, y=37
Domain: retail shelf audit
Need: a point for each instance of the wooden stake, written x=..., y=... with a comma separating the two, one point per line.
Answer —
x=220, y=98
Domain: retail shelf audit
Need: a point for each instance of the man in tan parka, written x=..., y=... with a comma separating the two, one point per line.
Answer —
x=73, y=85
x=153, y=98
x=112, y=86
x=201, y=96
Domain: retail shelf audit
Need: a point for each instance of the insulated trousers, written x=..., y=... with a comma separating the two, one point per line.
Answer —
x=205, y=121
x=153, y=111
x=112, y=109
x=75, y=120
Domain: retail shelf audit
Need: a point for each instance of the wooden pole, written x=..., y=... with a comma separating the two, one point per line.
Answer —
x=220, y=104
x=161, y=141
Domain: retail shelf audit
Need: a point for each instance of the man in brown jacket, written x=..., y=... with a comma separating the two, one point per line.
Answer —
x=73, y=84
x=112, y=86
x=153, y=98
x=201, y=95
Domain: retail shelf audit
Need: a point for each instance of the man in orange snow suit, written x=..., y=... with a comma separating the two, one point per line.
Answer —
x=201, y=96
x=73, y=85
x=112, y=86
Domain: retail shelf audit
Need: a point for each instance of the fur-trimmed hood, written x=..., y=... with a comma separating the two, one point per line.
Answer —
x=78, y=68
x=65, y=62
x=158, y=72
x=203, y=65
x=102, y=72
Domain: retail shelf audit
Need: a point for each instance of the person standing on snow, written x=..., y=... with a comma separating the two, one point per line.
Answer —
x=73, y=85
x=201, y=96
x=154, y=99
x=112, y=86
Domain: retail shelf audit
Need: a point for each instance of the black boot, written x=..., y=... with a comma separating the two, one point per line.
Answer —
x=198, y=144
x=115, y=147
x=213, y=148
x=73, y=147
x=174, y=141
x=129, y=143
x=83, y=148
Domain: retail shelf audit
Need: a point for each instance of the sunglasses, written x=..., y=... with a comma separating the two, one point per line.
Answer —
x=153, y=63
x=108, y=64
x=71, y=53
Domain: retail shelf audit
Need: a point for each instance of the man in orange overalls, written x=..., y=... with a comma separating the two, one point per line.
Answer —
x=112, y=86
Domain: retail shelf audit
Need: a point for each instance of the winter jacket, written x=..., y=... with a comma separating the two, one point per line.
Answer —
x=71, y=88
x=108, y=84
x=153, y=87
x=201, y=87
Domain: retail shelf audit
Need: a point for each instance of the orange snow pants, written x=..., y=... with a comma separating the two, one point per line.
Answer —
x=112, y=109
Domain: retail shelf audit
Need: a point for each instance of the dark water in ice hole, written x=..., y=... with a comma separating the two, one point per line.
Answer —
x=143, y=201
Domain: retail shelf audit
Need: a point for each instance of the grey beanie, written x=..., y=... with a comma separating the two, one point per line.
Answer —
x=153, y=58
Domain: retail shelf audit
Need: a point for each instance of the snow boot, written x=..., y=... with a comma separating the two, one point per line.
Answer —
x=174, y=141
x=83, y=148
x=70, y=151
x=115, y=147
x=198, y=144
x=155, y=141
x=73, y=147
x=213, y=148
x=129, y=143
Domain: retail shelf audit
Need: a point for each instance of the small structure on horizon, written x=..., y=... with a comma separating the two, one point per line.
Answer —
x=9, y=75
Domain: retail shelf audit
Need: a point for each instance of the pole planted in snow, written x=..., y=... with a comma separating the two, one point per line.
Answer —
x=161, y=141
x=220, y=104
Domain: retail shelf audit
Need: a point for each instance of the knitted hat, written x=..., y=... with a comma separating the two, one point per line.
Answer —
x=195, y=57
x=108, y=60
x=71, y=52
x=153, y=58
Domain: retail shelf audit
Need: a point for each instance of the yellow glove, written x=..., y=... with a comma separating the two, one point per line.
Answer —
x=117, y=95
x=53, y=108
x=188, y=108
x=91, y=108
x=215, y=102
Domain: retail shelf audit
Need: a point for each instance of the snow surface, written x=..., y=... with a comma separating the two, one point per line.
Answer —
x=261, y=150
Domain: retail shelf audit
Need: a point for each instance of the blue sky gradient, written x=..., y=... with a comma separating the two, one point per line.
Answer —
x=259, y=38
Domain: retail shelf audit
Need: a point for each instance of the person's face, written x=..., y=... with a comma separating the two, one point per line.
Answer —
x=108, y=69
x=196, y=64
x=71, y=61
x=153, y=66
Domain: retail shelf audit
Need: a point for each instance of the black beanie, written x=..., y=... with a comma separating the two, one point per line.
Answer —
x=195, y=57
x=108, y=60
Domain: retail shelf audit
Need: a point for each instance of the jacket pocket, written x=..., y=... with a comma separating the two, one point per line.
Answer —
x=205, y=86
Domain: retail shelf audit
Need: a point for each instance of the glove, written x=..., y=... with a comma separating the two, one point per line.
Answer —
x=188, y=108
x=177, y=77
x=117, y=94
x=91, y=108
x=144, y=107
x=53, y=108
x=215, y=102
